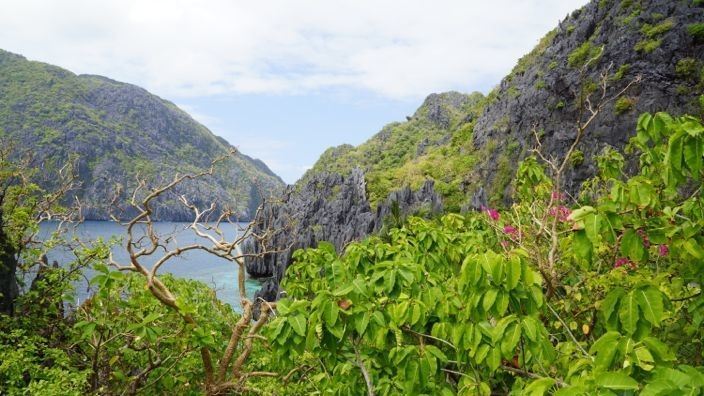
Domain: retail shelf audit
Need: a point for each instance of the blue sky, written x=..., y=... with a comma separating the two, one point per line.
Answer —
x=283, y=80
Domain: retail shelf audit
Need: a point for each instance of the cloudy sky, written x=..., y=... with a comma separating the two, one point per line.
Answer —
x=283, y=80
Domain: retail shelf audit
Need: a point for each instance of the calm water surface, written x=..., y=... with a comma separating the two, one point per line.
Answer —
x=216, y=272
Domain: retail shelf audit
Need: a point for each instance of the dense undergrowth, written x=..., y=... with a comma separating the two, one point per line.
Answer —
x=595, y=294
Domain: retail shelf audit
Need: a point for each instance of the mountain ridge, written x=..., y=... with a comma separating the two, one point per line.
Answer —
x=120, y=130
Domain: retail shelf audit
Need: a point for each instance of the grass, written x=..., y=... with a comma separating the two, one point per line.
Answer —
x=696, y=30
x=621, y=72
x=585, y=53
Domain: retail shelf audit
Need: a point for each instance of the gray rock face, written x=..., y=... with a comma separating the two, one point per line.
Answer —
x=328, y=207
x=541, y=92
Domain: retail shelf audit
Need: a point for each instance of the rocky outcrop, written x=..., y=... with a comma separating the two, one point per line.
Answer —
x=327, y=207
x=648, y=38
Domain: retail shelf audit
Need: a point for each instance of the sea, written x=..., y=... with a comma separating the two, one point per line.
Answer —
x=216, y=272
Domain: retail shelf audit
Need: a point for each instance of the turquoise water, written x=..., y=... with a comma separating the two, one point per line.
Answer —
x=214, y=271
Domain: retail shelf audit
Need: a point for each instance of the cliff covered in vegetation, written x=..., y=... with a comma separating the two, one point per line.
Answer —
x=116, y=132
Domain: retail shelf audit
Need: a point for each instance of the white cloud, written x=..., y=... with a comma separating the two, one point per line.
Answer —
x=179, y=48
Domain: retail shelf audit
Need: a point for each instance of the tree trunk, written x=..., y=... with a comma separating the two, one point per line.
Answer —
x=8, y=265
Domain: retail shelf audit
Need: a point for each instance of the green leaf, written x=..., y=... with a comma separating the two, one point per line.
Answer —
x=628, y=313
x=493, y=360
x=582, y=246
x=650, y=303
x=510, y=340
x=513, y=272
x=538, y=387
x=608, y=304
x=343, y=290
x=581, y=213
x=330, y=313
x=693, y=153
x=530, y=328
x=616, y=381
x=489, y=298
x=362, y=323
x=481, y=353
x=632, y=245
x=298, y=323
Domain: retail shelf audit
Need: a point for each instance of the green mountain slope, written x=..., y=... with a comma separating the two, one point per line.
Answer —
x=433, y=143
x=118, y=131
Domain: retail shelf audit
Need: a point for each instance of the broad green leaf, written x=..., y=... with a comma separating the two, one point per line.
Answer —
x=493, y=359
x=330, y=313
x=658, y=348
x=581, y=213
x=616, y=381
x=489, y=298
x=650, y=303
x=693, y=152
x=510, y=340
x=298, y=323
x=513, y=272
x=538, y=387
x=530, y=328
x=632, y=245
x=608, y=304
x=628, y=313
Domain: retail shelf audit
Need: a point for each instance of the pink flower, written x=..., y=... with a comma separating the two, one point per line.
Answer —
x=561, y=212
x=663, y=250
x=621, y=261
x=505, y=244
x=492, y=213
x=557, y=196
x=644, y=236
x=511, y=230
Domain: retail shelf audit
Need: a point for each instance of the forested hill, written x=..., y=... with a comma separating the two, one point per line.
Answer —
x=117, y=131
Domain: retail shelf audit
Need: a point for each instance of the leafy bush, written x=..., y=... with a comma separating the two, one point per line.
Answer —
x=602, y=297
x=686, y=68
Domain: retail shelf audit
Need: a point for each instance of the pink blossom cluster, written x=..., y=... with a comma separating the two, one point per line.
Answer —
x=663, y=250
x=622, y=261
x=492, y=213
x=561, y=212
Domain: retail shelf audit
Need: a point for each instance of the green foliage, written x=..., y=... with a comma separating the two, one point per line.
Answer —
x=621, y=72
x=584, y=54
x=648, y=45
x=31, y=367
x=696, y=30
x=133, y=329
x=687, y=68
x=653, y=35
x=475, y=304
x=653, y=31
x=624, y=104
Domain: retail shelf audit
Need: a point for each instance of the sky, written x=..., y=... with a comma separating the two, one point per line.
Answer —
x=283, y=80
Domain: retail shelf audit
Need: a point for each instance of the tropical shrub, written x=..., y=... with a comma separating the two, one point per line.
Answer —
x=595, y=294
